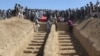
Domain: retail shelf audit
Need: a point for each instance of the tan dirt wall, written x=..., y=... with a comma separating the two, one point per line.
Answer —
x=86, y=43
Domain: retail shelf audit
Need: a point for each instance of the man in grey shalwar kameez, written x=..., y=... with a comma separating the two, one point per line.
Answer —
x=48, y=26
x=36, y=21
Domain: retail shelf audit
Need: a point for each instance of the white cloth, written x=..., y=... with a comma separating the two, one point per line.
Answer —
x=20, y=14
x=62, y=19
x=36, y=27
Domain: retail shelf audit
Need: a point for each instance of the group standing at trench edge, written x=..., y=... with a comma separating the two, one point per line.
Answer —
x=52, y=16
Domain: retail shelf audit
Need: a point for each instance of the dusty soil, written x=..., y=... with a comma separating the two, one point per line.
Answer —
x=11, y=31
x=91, y=28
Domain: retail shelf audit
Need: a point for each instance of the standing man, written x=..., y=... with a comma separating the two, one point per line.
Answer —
x=91, y=9
x=0, y=14
x=54, y=20
x=88, y=10
x=36, y=21
x=21, y=11
x=16, y=9
x=29, y=14
x=48, y=26
x=70, y=25
x=4, y=15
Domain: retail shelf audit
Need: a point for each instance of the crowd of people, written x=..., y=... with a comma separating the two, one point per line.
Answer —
x=49, y=15
x=61, y=15
x=4, y=14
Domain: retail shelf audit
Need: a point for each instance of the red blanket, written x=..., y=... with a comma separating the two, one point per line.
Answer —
x=43, y=19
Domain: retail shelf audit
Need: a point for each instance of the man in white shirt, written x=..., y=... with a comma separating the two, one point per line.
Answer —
x=36, y=21
x=20, y=14
x=61, y=19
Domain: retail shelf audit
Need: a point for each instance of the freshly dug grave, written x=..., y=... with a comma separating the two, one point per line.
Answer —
x=91, y=29
x=13, y=32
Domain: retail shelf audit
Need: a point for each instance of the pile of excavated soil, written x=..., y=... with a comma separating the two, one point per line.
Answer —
x=11, y=32
x=91, y=28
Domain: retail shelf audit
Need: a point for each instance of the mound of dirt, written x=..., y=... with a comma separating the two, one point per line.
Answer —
x=91, y=28
x=11, y=32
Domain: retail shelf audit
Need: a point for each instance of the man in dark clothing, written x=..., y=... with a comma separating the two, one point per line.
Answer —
x=88, y=10
x=48, y=26
x=70, y=25
x=82, y=13
x=91, y=8
x=0, y=14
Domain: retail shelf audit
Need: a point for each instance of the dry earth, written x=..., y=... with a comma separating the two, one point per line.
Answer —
x=11, y=32
x=91, y=28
